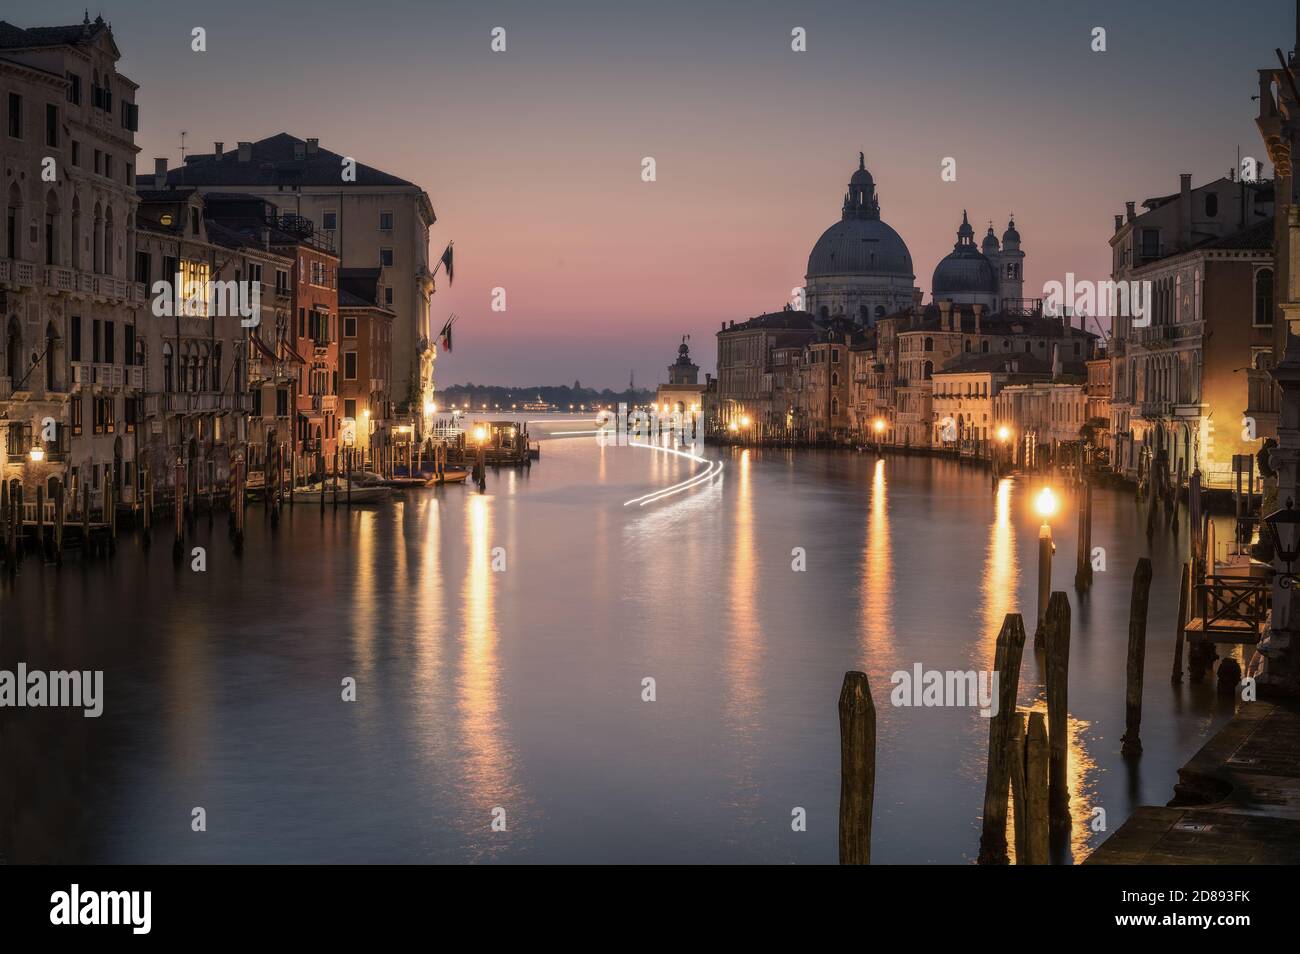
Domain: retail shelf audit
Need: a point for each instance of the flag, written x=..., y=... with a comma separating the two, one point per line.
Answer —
x=446, y=261
x=444, y=336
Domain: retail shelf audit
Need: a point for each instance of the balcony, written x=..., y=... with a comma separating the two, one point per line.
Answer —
x=189, y=402
x=62, y=278
x=1155, y=409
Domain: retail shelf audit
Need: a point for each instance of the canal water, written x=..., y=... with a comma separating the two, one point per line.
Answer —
x=500, y=644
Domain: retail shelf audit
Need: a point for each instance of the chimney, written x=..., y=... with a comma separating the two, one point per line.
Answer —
x=979, y=310
x=945, y=314
x=299, y=150
x=1056, y=362
x=218, y=148
x=1119, y=222
x=313, y=146
x=160, y=173
x=245, y=152
x=1185, y=209
x=1128, y=211
x=724, y=326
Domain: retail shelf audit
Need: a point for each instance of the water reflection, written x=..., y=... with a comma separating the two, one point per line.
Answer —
x=1001, y=572
x=877, y=605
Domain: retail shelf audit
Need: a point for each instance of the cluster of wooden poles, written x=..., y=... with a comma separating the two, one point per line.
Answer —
x=50, y=538
x=1027, y=752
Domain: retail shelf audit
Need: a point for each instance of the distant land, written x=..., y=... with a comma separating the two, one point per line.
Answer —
x=561, y=396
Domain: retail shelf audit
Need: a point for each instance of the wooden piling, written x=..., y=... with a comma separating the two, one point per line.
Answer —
x=4, y=522
x=1016, y=769
x=1058, y=679
x=40, y=521
x=351, y=467
x=857, y=768
x=85, y=515
x=58, y=525
x=1137, y=648
x=178, y=545
x=1036, y=791
x=110, y=514
x=336, y=476
x=1010, y=646
x=1083, y=565
x=1045, y=548
x=1184, y=604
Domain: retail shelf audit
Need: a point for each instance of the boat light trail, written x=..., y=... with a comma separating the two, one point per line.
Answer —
x=714, y=468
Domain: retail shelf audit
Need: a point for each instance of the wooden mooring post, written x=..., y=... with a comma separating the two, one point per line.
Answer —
x=857, y=768
x=351, y=466
x=110, y=515
x=1016, y=768
x=1010, y=646
x=40, y=522
x=1083, y=565
x=59, y=507
x=336, y=475
x=238, y=480
x=1046, y=547
x=1037, y=826
x=86, y=549
x=1137, y=650
x=1058, y=718
x=5, y=557
x=146, y=516
x=1184, y=604
x=178, y=545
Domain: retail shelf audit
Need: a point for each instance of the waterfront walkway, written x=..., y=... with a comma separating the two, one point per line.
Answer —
x=1236, y=802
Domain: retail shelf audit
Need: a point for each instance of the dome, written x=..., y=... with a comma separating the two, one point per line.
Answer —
x=990, y=243
x=1010, y=235
x=965, y=270
x=860, y=243
x=860, y=246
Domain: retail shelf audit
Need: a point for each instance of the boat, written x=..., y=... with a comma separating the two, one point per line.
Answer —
x=311, y=494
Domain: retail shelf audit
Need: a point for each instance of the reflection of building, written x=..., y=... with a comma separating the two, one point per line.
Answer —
x=376, y=220
x=1181, y=383
x=683, y=392
x=68, y=305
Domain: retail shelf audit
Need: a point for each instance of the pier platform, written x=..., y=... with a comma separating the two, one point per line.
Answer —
x=1237, y=800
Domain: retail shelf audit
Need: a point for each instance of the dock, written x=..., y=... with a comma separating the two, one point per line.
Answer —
x=1237, y=801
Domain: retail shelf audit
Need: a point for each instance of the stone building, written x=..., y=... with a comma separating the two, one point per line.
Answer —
x=752, y=385
x=376, y=220
x=1180, y=383
x=68, y=303
x=859, y=268
x=683, y=392
x=366, y=364
x=965, y=419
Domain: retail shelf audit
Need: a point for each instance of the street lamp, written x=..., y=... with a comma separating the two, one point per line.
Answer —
x=37, y=453
x=1284, y=530
x=1004, y=433
x=1045, y=503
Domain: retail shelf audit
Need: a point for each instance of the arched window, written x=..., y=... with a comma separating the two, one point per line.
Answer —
x=927, y=371
x=1211, y=205
x=167, y=366
x=1264, y=297
x=880, y=311
x=928, y=344
x=51, y=357
x=13, y=353
x=13, y=222
x=984, y=347
x=966, y=346
x=1029, y=346
x=52, y=230
x=835, y=379
x=76, y=232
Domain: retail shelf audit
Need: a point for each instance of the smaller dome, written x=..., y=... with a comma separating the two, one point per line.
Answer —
x=1010, y=235
x=861, y=177
x=990, y=243
x=965, y=270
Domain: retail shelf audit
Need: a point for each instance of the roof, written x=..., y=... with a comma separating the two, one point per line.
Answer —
x=995, y=323
x=15, y=38
x=1258, y=236
x=274, y=162
x=997, y=363
x=774, y=321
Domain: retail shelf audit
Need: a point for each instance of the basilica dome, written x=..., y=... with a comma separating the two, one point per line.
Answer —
x=965, y=271
x=860, y=243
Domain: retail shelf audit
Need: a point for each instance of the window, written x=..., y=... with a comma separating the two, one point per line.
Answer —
x=76, y=337
x=350, y=366
x=281, y=281
x=130, y=116
x=388, y=295
x=386, y=257
x=1211, y=205
x=194, y=221
x=143, y=264
x=385, y=221
x=51, y=125
x=74, y=88
x=95, y=328
x=76, y=153
x=109, y=337
x=75, y=407
x=15, y=115
x=128, y=344
x=282, y=402
x=350, y=408
x=349, y=326
x=1264, y=297
x=1150, y=243
x=329, y=220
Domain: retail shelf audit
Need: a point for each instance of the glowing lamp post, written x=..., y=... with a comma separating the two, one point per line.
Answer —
x=36, y=454
x=480, y=437
x=1284, y=530
x=1045, y=503
x=879, y=428
x=1004, y=435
